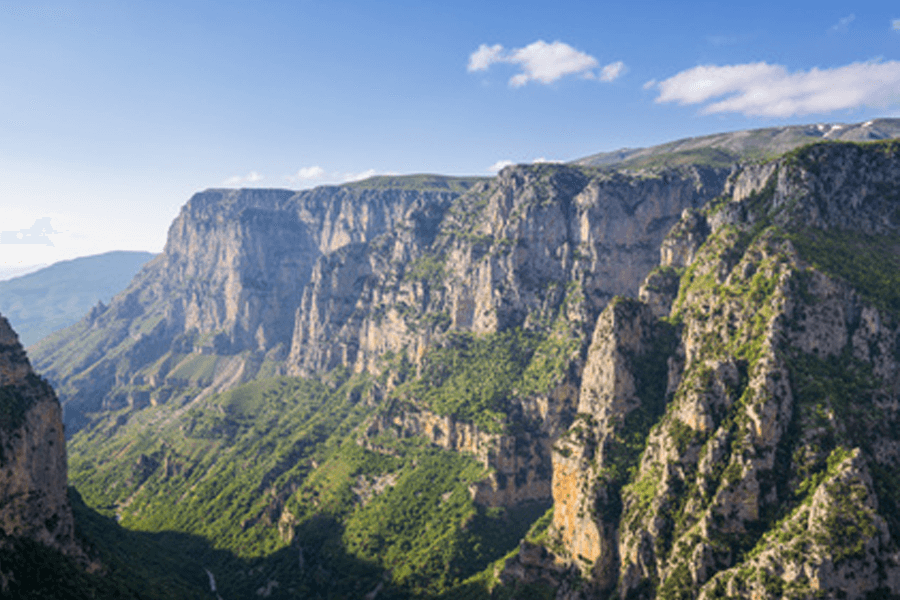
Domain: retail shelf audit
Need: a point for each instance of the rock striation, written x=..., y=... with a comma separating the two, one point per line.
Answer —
x=256, y=282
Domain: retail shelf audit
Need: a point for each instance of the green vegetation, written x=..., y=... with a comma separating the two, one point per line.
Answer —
x=678, y=586
x=226, y=452
x=31, y=571
x=421, y=183
x=869, y=263
x=474, y=378
x=196, y=369
x=428, y=268
x=550, y=362
x=244, y=481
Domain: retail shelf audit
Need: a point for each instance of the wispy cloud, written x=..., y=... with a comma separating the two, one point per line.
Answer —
x=238, y=180
x=499, y=165
x=895, y=24
x=842, y=24
x=345, y=177
x=485, y=56
x=316, y=175
x=502, y=164
x=309, y=173
x=612, y=71
x=761, y=89
x=543, y=63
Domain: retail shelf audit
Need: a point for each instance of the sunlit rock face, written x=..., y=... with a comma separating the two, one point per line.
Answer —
x=274, y=281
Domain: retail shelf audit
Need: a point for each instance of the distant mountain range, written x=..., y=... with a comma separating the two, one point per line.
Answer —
x=54, y=297
x=727, y=149
x=10, y=272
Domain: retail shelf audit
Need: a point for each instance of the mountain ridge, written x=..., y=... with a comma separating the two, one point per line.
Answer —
x=725, y=149
x=58, y=295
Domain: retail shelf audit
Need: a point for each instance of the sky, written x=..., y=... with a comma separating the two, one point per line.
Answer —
x=112, y=114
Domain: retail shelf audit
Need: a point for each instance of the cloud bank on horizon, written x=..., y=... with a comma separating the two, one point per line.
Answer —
x=543, y=63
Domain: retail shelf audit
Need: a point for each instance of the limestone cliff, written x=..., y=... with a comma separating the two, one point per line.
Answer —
x=768, y=465
x=504, y=255
x=218, y=305
x=33, y=499
x=256, y=282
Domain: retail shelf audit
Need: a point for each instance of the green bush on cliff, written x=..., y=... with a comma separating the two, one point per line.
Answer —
x=870, y=263
x=472, y=378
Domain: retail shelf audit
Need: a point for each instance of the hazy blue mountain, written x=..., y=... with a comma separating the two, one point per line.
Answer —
x=12, y=272
x=39, y=303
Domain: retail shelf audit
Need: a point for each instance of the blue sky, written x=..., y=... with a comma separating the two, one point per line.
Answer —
x=113, y=113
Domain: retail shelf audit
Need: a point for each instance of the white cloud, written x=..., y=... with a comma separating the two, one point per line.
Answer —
x=895, y=24
x=761, y=89
x=346, y=177
x=308, y=173
x=612, y=71
x=500, y=165
x=843, y=23
x=316, y=175
x=485, y=56
x=237, y=180
x=546, y=63
x=543, y=62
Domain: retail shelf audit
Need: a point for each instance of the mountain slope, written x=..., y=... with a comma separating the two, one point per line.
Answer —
x=47, y=549
x=39, y=303
x=725, y=149
x=759, y=458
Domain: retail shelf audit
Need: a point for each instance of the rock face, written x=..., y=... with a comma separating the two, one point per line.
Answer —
x=499, y=257
x=33, y=500
x=622, y=385
x=267, y=281
x=761, y=461
x=219, y=303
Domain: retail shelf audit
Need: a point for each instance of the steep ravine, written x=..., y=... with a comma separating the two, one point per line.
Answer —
x=698, y=366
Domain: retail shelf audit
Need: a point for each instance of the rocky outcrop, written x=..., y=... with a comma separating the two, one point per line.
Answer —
x=518, y=465
x=769, y=468
x=622, y=388
x=33, y=488
x=505, y=255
